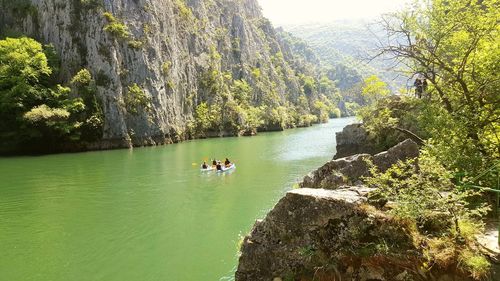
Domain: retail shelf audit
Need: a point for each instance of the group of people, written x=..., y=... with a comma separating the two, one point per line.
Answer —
x=216, y=164
x=421, y=86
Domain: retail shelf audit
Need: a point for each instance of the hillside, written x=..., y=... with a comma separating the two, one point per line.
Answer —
x=164, y=71
x=348, y=49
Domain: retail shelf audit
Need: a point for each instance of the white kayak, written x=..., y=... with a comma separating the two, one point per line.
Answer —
x=210, y=168
x=225, y=169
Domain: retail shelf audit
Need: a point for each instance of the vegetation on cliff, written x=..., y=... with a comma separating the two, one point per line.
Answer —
x=36, y=109
x=155, y=81
x=454, y=46
x=346, y=49
x=443, y=219
x=432, y=199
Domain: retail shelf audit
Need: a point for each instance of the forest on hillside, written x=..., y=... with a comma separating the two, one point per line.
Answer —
x=349, y=50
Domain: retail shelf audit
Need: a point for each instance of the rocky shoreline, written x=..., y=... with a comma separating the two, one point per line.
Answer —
x=329, y=229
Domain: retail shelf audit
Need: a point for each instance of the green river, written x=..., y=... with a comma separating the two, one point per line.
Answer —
x=147, y=214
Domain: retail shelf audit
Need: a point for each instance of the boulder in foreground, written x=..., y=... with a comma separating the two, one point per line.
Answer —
x=318, y=234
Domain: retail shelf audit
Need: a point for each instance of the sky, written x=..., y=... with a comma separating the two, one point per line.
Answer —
x=283, y=12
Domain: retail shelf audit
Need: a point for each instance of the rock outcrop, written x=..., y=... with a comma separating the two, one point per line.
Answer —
x=317, y=234
x=354, y=139
x=328, y=230
x=166, y=47
x=350, y=170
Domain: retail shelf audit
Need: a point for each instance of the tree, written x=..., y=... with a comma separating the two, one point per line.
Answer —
x=93, y=117
x=455, y=46
x=33, y=109
x=374, y=89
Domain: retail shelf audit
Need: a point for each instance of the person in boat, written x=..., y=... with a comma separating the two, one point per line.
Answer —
x=219, y=166
x=227, y=162
x=214, y=163
x=204, y=166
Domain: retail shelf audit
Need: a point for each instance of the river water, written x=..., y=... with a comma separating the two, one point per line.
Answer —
x=147, y=214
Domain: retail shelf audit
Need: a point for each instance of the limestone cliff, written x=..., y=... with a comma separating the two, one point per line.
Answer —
x=166, y=47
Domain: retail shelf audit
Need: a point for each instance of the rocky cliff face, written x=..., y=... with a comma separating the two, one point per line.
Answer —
x=167, y=48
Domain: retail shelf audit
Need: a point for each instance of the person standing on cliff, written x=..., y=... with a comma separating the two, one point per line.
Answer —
x=418, y=88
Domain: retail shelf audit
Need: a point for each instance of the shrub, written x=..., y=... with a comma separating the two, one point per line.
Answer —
x=136, y=44
x=46, y=114
x=421, y=191
x=256, y=73
x=82, y=78
x=165, y=67
x=136, y=99
x=335, y=113
x=253, y=119
x=307, y=120
x=475, y=263
x=93, y=116
x=321, y=111
x=115, y=27
x=184, y=11
x=203, y=119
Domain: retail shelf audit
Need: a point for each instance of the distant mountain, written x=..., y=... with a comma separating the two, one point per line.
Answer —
x=347, y=48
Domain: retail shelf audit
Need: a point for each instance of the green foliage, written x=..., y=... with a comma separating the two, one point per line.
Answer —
x=422, y=193
x=242, y=92
x=307, y=120
x=423, y=188
x=351, y=108
x=165, y=67
x=34, y=110
x=276, y=118
x=374, y=89
x=184, y=11
x=45, y=114
x=93, y=117
x=335, y=113
x=205, y=119
x=308, y=85
x=256, y=73
x=229, y=108
x=377, y=120
x=455, y=46
x=136, y=99
x=82, y=78
x=477, y=264
x=253, y=119
x=136, y=44
x=321, y=111
x=115, y=27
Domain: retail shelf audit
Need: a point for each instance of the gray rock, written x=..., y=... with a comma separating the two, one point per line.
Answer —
x=354, y=139
x=317, y=234
x=170, y=36
x=350, y=170
x=407, y=149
